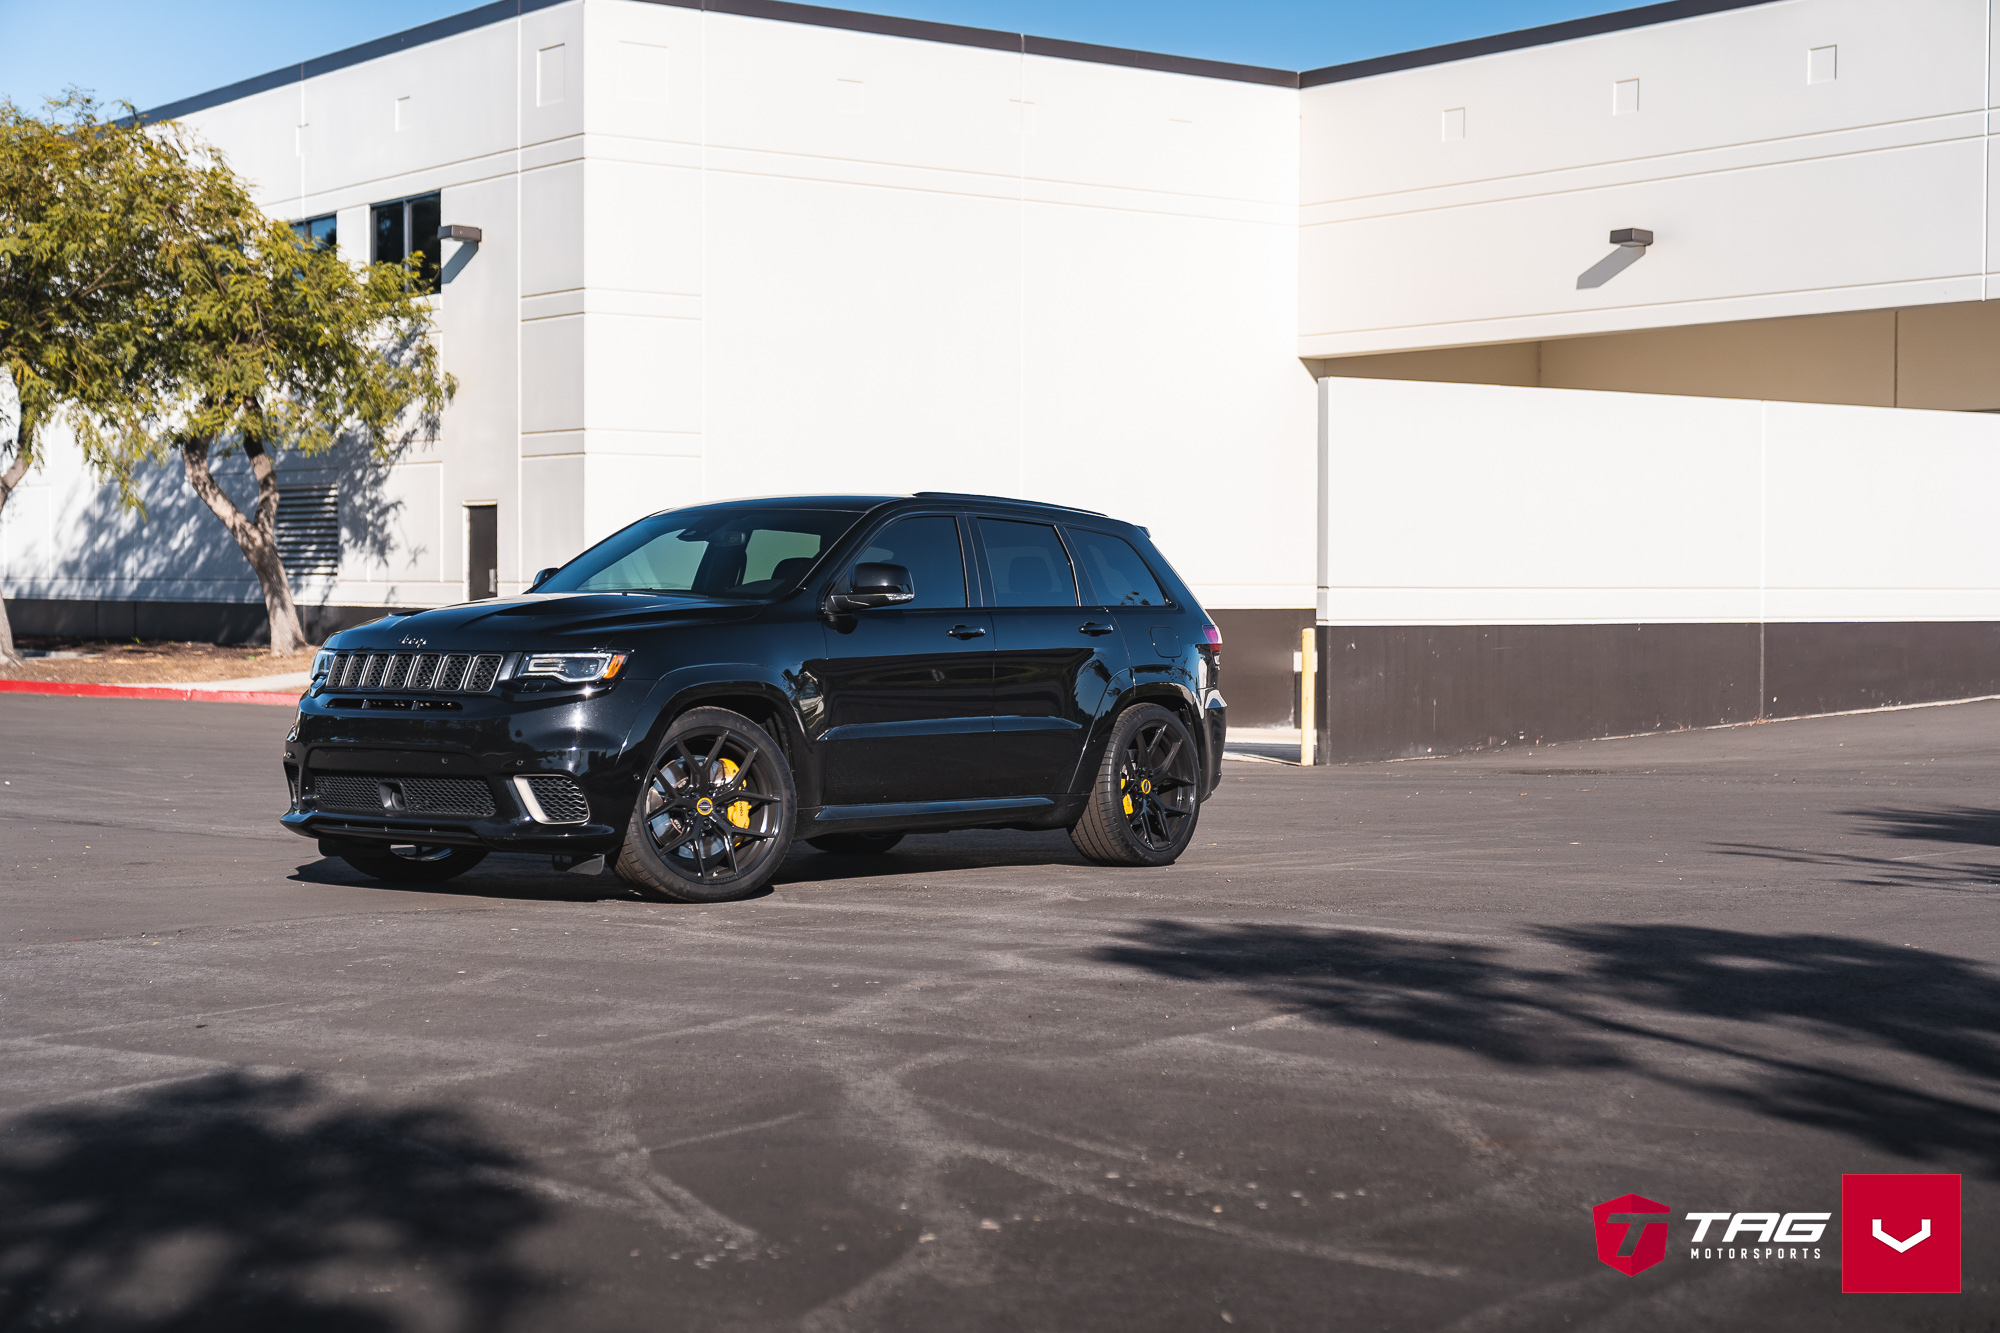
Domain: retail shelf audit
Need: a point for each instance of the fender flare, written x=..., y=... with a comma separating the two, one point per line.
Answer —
x=1172, y=695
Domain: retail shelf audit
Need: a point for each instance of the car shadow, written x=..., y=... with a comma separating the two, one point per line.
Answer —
x=528, y=878
x=523, y=878
x=240, y=1202
x=1625, y=1006
x=933, y=853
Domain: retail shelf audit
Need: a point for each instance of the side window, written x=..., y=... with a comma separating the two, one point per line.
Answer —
x=1028, y=564
x=410, y=227
x=928, y=548
x=321, y=233
x=1119, y=576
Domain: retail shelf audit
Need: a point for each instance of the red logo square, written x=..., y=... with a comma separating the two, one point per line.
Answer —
x=1899, y=1233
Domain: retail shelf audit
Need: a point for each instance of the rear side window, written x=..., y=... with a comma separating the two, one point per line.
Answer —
x=1115, y=570
x=929, y=549
x=1028, y=564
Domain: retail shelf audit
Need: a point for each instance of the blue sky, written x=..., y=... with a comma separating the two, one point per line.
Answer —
x=153, y=51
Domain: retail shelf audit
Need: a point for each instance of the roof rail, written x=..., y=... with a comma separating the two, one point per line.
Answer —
x=1005, y=500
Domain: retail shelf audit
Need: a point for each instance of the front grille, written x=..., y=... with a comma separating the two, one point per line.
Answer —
x=393, y=795
x=415, y=673
x=560, y=799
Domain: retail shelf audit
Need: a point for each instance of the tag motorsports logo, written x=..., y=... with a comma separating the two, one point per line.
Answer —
x=1897, y=1233
x=1632, y=1234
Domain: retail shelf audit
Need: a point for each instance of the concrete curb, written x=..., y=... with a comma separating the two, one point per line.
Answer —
x=147, y=692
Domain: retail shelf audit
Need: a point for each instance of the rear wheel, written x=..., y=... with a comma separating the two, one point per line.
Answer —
x=716, y=816
x=415, y=864
x=1144, y=803
x=856, y=844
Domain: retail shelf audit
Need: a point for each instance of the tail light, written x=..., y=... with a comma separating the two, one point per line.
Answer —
x=1211, y=636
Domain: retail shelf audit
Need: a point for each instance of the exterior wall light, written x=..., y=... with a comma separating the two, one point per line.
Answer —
x=1635, y=238
x=475, y=235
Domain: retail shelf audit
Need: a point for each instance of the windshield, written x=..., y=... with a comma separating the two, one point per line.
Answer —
x=707, y=552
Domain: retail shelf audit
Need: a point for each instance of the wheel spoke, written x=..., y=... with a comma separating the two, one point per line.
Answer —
x=700, y=836
x=742, y=775
x=666, y=847
x=729, y=851
x=1168, y=762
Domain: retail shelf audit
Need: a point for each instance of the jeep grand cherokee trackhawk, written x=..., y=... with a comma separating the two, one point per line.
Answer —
x=690, y=694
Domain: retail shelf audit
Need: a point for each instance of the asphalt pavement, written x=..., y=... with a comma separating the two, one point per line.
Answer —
x=1364, y=1059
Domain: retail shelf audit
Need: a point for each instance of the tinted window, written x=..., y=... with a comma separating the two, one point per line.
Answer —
x=1028, y=564
x=928, y=548
x=1118, y=575
x=321, y=233
x=410, y=227
x=707, y=552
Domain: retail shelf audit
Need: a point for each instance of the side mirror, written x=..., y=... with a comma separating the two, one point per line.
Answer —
x=873, y=585
x=541, y=577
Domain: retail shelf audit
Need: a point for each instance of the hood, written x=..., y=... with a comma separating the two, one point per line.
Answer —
x=579, y=620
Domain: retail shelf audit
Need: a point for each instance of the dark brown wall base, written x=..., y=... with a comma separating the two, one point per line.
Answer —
x=196, y=622
x=1257, y=676
x=1394, y=692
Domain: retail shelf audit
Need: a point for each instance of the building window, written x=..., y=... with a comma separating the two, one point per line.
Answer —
x=320, y=232
x=410, y=227
x=308, y=530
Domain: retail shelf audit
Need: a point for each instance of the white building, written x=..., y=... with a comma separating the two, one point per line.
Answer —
x=1353, y=343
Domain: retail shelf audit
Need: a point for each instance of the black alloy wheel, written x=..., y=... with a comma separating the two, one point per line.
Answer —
x=1146, y=799
x=856, y=844
x=418, y=864
x=715, y=818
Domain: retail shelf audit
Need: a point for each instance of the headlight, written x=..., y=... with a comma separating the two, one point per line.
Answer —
x=321, y=661
x=576, y=668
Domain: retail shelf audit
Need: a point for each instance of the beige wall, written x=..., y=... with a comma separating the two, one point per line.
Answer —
x=1945, y=356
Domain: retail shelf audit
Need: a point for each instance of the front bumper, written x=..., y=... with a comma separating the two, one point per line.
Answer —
x=487, y=742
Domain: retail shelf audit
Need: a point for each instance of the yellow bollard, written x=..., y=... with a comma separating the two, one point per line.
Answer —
x=1308, y=671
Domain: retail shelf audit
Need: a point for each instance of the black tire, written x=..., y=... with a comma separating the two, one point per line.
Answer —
x=685, y=843
x=856, y=844
x=1146, y=798
x=416, y=865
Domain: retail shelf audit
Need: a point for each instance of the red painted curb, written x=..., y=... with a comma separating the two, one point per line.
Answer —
x=148, y=692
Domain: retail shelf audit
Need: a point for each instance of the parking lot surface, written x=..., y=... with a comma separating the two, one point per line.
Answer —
x=1365, y=1058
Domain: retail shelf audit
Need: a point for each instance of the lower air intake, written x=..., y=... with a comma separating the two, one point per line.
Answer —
x=465, y=797
x=554, y=799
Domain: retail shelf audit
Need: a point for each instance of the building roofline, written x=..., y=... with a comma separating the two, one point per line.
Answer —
x=1642, y=17
x=784, y=11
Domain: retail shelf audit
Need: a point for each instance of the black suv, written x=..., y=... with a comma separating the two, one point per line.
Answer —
x=690, y=694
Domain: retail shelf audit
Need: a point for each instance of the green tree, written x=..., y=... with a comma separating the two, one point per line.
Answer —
x=91, y=228
x=145, y=296
x=275, y=345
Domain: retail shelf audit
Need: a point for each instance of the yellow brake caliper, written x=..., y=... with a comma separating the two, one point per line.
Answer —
x=739, y=813
x=1128, y=796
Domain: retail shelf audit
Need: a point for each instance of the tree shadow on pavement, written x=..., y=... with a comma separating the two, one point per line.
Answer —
x=1963, y=823
x=243, y=1203
x=1966, y=826
x=1740, y=1017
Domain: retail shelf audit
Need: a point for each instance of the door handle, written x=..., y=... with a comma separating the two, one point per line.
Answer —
x=966, y=632
x=1092, y=627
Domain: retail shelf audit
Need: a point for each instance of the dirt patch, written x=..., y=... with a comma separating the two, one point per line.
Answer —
x=124, y=662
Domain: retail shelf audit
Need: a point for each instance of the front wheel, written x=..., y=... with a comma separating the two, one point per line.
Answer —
x=717, y=813
x=415, y=864
x=1143, y=806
